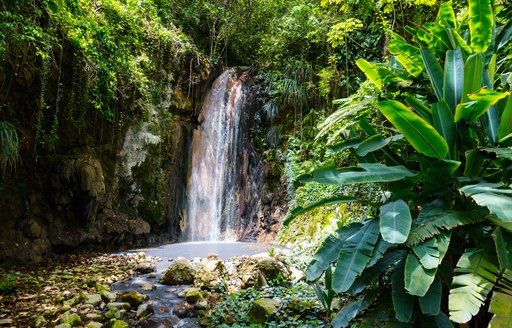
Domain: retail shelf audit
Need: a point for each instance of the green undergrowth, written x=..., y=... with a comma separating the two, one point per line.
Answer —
x=298, y=307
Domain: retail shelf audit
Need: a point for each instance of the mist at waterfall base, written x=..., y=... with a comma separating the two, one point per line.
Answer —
x=216, y=160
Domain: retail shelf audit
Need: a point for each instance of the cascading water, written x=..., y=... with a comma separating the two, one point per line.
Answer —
x=216, y=161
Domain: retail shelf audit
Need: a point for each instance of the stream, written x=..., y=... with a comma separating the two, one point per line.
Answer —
x=162, y=297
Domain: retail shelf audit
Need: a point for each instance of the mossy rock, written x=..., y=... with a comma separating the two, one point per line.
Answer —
x=193, y=295
x=71, y=318
x=262, y=309
x=180, y=272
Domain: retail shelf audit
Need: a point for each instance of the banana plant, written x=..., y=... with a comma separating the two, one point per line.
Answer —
x=448, y=169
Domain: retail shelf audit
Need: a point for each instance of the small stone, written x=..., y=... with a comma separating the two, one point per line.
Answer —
x=111, y=314
x=203, y=305
x=181, y=310
x=67, y=294
x=108, y=296
x=93, y=299
x=94, y=317
x=94, y=324
x=134, y=298
x=5, y=322
x=213, y=256
x=118, y=305
x=63, y=325
x=85, y=307
x=146, y=286
x=118, y=324
x=40, y=322
x=151, y=276
x=65, y=308
x=144, y=310
x=193, y=295
x=141, y=255
x=71, y=318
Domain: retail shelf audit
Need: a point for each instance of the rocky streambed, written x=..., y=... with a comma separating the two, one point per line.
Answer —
x=142, y=290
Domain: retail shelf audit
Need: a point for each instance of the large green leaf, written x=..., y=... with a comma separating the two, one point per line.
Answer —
x=420, y=108
x=505, y=36
x=473, y=70
x=406, y=54
x=371, y=72
x=503, y=243
x=476, y=275
x=438, y=321
x=453, y=78
x=351, y=310
x=498, y=204
x=366, y=172
x=417, y=278
x=395, y=221
x=374, y=143
x=442, y=118
x=372, y=273
x=380, y=249
x=434, y=71
x=434, y=220
x=474, y=163
x=422, y=136
x=447, y=15
x=329, y=251
x=500, y=307
x=432, y=251
x=403, y=303
x=479, y=103
x=500, y=302
x=480, y=24
x=505, y=127
x=430, y=304
x=492, y=187
x=324, y=202
x=354, y=255
x=491, y=117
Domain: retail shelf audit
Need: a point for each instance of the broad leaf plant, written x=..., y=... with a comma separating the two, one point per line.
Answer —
x=437, y=250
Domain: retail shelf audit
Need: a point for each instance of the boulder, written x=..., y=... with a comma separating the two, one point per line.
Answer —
x=212, y=275
x=262, y=309
x=180, y=272
x=257, y=271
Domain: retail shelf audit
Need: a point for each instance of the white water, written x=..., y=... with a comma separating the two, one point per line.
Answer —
x=212, y=195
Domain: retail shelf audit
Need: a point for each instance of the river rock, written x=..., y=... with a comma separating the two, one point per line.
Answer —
x=93, y=299
x=71, y=318
x=180, y=272
x=211, y=275
x=118, y=324
x=146, y=286
x=134, y=298
x=257, y=271
x=144, y=310
x=5, y=322
x=181, y=310
x=262, y=309
x=193, y=295
x=202, y=305
x=108, y=296
x=118, y=305
x=93, y=317
x=94, y=324
x=63, y=325
x=145, y=267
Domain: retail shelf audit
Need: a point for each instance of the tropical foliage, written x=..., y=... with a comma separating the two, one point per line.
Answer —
x=436, y=244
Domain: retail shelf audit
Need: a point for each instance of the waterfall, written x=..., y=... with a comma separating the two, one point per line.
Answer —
x=216, y=162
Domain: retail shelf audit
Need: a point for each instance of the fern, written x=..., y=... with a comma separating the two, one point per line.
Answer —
x=9, y=146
